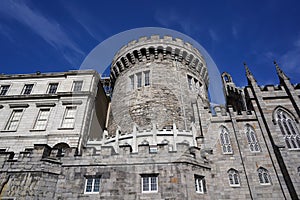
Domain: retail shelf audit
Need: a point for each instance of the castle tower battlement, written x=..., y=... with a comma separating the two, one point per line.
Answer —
x=157, y=82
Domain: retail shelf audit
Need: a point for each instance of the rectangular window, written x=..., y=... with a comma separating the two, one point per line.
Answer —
x=14, y=120
x=77, y=86
x=69, y=118
x=139, y=79
x=149, y=183
x=92, y=185
x=3, y=89
x=42, y=119
x=132, y=82
x=52, y=88
x=200, y=184
x=27, y=88
x=147, y=78
x=190, y=82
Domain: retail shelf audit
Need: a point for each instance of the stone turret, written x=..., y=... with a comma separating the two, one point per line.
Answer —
x=157, y=82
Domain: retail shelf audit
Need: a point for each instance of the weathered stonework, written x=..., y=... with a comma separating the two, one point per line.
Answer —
x=163, y=129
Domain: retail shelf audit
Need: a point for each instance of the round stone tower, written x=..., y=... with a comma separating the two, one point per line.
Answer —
x=157, y=84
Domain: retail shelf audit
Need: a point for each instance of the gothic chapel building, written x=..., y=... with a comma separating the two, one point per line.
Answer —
x=151, y=134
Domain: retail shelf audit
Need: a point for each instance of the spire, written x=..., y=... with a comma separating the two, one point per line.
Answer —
x=249, y=75
x=280, y=73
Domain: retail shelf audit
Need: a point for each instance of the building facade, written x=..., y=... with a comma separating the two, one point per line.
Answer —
x=154, y=137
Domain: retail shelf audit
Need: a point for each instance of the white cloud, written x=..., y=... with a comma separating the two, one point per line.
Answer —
x=290, y=60
x=213, y=35
x=95, y=28
x=46, y=28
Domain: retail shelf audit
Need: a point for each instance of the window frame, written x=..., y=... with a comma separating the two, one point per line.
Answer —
x=152, y=183
x=252, y=139
x=11, y=119
x=26, y=90
x=93, y=185
x=50, y=85
x=235, y=177
x=43, y=120
x=225, y=140
x=69, y=117
x=146, y=78
x=2, y=88
x=75, y=87
x=132, y=86
x=263, y=175
x=288, y=128
x=200, y=184
x=139, y=80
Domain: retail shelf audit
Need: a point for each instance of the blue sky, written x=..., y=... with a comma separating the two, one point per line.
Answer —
x=56, y=35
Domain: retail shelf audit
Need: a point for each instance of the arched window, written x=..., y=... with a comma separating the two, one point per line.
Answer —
x=234, y=179
x=263, y=176
x=251, y=138
x=225, y=140
x=288, y=128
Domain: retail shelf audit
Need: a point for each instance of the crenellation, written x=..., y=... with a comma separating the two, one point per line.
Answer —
x=158, y=137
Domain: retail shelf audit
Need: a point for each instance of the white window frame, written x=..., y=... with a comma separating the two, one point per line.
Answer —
x=50, y=88
x=93, y=186
x=12, y=119
x=66, y=117
x=289, y=129
x=39, y=119
x=27, y=89
x=147, y=78
x=152, y=184
x=77, y=86
x=139, y=80
x=2, y=91
x=132, y=86
x=225, y=140
x=234, y=178
x=264, y=177
x=252, y=139
x=200, y=184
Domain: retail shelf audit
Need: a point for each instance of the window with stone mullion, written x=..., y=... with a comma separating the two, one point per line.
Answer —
x=289, y=129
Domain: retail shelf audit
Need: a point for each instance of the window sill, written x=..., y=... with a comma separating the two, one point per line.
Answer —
x=91, y=192
x=62, y=128
x=37, y=130
x=149, y=192
x=235, y=186
x=8, y=131
x=296, y=149
x=265, y=184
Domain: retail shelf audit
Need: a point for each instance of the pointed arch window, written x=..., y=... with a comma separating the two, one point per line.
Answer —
x=234, y=179
x=225, y=140
x=263, y=176
x=288, y=128
x=252, y=139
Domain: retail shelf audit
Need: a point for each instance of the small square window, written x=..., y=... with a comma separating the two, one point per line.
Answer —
x=77, y=86
x=52, y=88
x=149, y=183
x=153, y=149
x=27, y=89
x=92, y=185
x=4, y=89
